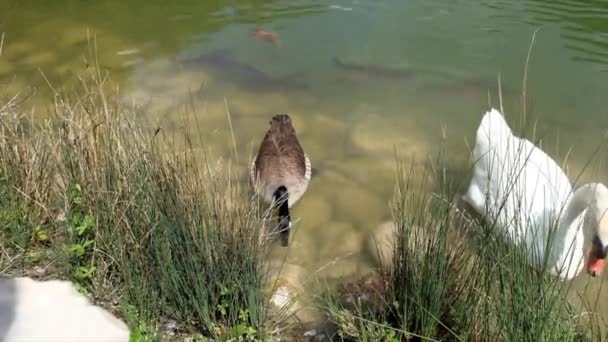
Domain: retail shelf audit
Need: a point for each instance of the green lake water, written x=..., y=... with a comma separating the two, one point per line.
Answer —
x=445, y=55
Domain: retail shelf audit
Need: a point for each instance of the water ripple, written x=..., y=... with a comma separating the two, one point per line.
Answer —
x=583, y=23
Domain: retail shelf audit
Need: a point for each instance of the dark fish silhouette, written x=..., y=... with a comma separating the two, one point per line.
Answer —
x=454, y=85
x=244, y=75
x=376, y=70
x=475, y=85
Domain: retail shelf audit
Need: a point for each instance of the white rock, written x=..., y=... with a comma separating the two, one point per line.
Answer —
x=285, y=285
x=53, y=311
x=281, y=297
x=310, y=333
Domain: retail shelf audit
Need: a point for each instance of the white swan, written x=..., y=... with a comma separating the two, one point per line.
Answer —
x=531, y=199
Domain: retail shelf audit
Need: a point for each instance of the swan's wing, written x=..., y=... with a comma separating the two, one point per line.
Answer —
x=492, y=136
x=547, y=173
x=521, y=187
x=513, y=180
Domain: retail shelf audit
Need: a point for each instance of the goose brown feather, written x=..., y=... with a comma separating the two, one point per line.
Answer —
x=281, y=161
x=281, y=170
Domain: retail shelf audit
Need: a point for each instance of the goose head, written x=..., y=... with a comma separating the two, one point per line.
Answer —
x=597, y=220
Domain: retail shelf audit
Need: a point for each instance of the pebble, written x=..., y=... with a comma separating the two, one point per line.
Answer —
x=39, y=271
x=285, y=284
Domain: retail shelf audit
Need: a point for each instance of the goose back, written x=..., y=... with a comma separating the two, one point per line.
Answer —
x=281, y=161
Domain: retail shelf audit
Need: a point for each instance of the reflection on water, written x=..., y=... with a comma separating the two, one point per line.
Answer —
x=360, y=81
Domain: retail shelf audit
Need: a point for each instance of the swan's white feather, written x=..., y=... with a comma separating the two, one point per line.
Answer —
x=525, y=191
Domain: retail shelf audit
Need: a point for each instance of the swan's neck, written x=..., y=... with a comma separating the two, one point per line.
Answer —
x=577, y=227
x=584, y=211
x=579, y=201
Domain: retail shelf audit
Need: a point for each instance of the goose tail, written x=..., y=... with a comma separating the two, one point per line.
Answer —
x=281, y=197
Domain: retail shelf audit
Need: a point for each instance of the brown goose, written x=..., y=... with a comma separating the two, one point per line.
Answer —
x=281, y=170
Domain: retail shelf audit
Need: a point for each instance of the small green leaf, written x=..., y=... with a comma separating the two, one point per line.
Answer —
x=76, y=249
x=251, y=332
x=76, y=219
x=244, y=315
x=84, y=272
x=200, y=338
x=40, y=235
x=81, y=289
x=33, y=258
x=222, y=309
x=86, y=223
x=87, y=243
x=89, y=220
x=237, y=330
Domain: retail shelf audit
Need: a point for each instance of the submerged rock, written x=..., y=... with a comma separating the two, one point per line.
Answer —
x=359, y=169
x=53, y=311
x=284, y=286
x=356, y=204
x=313, y=210
x=380, y=244
x=342, y=239
x=381, y=135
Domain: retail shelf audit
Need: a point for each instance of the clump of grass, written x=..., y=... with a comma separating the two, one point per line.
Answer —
x=138, y=220
x=25, y=185
x=425, y=289
x=523, y=302
x=429, y=265
x=456, y=278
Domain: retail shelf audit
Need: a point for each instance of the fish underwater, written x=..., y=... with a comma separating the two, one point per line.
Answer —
x=224, y=63
x=261, y=34
x=375, y=70
x=455, y=83
x=476, y=85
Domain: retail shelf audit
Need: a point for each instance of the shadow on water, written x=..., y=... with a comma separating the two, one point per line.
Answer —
x=225, y=64
x=8, y=301
x=455, y=85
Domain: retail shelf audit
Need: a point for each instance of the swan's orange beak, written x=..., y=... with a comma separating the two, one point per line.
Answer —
x=595, y=265
x=597, y=257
